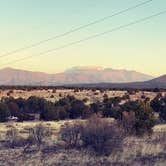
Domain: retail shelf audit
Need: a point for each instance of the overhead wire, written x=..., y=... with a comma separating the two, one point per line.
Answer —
x=75, y=29
x=89, y=37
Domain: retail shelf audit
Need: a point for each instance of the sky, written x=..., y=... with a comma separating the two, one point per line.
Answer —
x=141, y=47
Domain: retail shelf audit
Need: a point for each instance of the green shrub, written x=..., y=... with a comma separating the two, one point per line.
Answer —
x=4, y=112
x=61, y=113
x=138, y=118
x=159, y=105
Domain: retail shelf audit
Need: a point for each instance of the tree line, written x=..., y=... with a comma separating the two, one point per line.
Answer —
x=71, y=108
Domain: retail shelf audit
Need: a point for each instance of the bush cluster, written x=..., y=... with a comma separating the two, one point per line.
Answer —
x=66, y=108
x=99, y=134
x=159, y=106
x=71, y=108
x=138, y=118
x=36, y=136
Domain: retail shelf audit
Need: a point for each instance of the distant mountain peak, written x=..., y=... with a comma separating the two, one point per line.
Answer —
x=84, y=68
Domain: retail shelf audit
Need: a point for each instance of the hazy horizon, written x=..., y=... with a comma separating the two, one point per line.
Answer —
x=140, y=47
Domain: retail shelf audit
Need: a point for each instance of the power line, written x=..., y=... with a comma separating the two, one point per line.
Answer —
x=90, y=37
x=75, y=29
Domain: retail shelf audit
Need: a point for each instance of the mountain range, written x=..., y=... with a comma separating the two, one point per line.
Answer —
x=75, y=75
x=159, y=83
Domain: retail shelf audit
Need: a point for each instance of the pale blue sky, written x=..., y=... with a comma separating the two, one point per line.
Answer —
x=141, y=47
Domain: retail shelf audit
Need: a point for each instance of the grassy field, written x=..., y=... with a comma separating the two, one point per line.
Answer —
x=136, y=151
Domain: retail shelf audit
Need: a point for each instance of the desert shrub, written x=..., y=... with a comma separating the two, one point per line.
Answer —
x=20, y=102
x=13, y=139
x=110, y=107
x=8, y=93
x=87, y=113
x=159, y=105
x=101, y=135
x=54, y=91
x=96, y=107
x=14, y=109
x=127, y=122
x=4, y=112
x=77, y=108
x=15, y=106
x=48, y=112
x=156, y=103
x=52, y=96
x=126, y=96
x=73, y=106
x=38, y=134
x=112, y=111
x=85, y=100
x=76, y=90
x=130, y=106
x=61, y=113
x=70, y=134
x=66, y=101
x=138, y=118
x=163, y=114
x=34, y=104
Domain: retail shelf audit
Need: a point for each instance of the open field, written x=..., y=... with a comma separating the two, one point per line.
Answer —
x=136, y=151
x=60, y=93
x=91, y=95
x=23, y=126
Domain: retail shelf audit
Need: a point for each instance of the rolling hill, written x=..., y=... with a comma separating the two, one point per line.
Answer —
x=161, y=79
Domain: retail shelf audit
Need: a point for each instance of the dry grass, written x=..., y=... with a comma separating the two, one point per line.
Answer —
x=136, y=151
x=23, y=127
x=89, y=94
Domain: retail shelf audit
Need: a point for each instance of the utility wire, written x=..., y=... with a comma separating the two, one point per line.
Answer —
x=75, y=29
x=90, y=37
